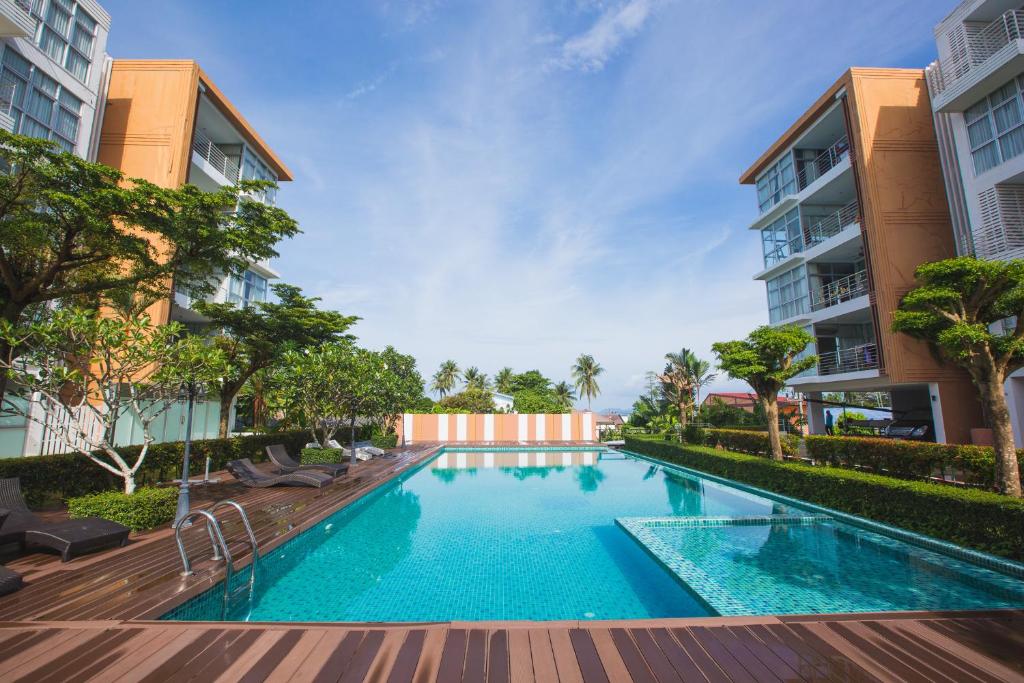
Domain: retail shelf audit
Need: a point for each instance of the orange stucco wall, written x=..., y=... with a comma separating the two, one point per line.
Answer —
x=491, y=428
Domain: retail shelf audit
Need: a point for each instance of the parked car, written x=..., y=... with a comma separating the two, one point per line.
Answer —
x=910, y=428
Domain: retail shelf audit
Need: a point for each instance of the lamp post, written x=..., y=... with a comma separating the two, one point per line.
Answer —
x=188, y=393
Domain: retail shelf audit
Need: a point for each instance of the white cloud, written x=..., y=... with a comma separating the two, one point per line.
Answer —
x=592, y=49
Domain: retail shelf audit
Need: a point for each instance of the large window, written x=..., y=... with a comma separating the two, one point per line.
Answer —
x=247, y=289
x=40, y=106
x=775, y=183
x=67, y=33
x=254, y=169
x=995, y=127
x=787, y=295
x=782, y=238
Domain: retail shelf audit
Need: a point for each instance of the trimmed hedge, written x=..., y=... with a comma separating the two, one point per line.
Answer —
x=908, y=459
x=976, y=519
x=47, y=478
x=321, y=456
x=754, y=443
x=146, y=508
x=384, y=440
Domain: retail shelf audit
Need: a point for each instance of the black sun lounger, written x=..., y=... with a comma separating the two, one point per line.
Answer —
x=245, y=472
x=279, y=456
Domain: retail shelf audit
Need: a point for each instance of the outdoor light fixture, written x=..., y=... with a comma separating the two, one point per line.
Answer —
x=188, y=393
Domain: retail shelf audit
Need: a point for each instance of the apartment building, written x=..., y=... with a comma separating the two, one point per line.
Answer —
x=850, y=200
x=166, y=121
x=54, y=68
x=977, y=96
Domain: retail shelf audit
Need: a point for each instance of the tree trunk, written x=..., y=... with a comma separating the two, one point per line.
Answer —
x=129, y=482
x=1007, y=470
x=770, y=405
x=682, y=419
x=352, y=442
x=225, y=415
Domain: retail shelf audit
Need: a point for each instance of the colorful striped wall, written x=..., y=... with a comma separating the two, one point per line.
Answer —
x=483, y=428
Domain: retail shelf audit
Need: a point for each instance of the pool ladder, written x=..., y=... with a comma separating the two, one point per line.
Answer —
x=221, y=550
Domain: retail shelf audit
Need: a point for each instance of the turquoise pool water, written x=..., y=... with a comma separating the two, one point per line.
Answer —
x=533, y=535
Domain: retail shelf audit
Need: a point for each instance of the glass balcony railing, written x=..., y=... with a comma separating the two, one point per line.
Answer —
x=853, y=359
x=838, y=291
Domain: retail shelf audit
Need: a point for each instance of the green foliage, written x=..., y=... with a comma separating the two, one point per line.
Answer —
x=908, y=459
x=585, y=372
x=844, y=426
x=564, y=396
x=384, y=439
x=531, y=380
x=103, y=369
x=50, y=478
x=446, y=377
x=255, y=337
x=682, y=378
x=532, y=401
x=503, y=380
x=696, y=435
x=145, y=509
x=718, y=413
x=976, y=519
x=476, y=379
x=468, y=401
x=754, y=443
x=321, y=456
x=766, y=359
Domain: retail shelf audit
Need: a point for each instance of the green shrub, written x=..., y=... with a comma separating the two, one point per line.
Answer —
x=696, y=435
x=321, y=456
x=976, y=519
x=49, y=478
x=384, y=440
x=908, y=459
x=144, y=509
x=754, y=443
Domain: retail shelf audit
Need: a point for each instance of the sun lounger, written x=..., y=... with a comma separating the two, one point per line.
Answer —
x=279, y=456
x=72, y=537
x=9, y=581
x=246, y=473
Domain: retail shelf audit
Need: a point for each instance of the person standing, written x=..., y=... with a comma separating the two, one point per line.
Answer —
x=829, y=423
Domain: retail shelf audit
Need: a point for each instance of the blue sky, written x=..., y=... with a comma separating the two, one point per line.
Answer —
x=510, y=182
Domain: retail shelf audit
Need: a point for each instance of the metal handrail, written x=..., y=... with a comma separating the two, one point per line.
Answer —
x=209, y=150
x=836, y=292
x=979, y=48
x=854, y=359
x=823, y=163
x=248, y=529
x=784, y=251
x=831, y=225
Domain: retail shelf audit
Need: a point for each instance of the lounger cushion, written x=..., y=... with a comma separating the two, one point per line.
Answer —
x=9, y=581
x=78, y=536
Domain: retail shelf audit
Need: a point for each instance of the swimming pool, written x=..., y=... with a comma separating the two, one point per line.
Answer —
x=589, y=534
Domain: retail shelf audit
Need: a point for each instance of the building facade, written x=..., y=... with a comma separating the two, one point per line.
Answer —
x=977, y=97
x=851, y=199
x=54, y=70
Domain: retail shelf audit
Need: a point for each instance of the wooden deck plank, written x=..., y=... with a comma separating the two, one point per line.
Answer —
x=159, y=655
x=631, y=657
x=363, y=658
x=475, y=669
x=430, y=656
x=589, y=661
x=611, y=660
x=656, y=660
x=750, y=659
x=810, y=664
x=130, y=655
x=266, y=640
x=497, y=657
x=408, y=658
x=544, y=668
x=882, y=652
x=960, y=650
x=331, y=657
x=265, y=665
x=953, y=667
x=725, y=659
x=387, y=653
x=43, y=660
x=520, y=659
x=680, y=660
x=453, y=657
x=566, y=664
x=826, y=640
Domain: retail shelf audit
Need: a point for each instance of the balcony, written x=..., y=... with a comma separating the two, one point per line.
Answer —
x=7, y=91
x=215, y=157
x=813, y=169
x=16, y=19
x=821, y=230
x=983, y=61
x=854, y=359
x=836, y=292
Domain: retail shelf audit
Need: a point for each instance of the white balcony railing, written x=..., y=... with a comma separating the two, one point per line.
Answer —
x=975, y=48
x=854, y=359
x=7, y=91
x=836, y=292
x=813, y=169
x=207, y=149
x=816, y=233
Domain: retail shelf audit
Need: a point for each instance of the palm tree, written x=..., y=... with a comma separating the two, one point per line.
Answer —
x=702, y=376
x=445, y=378
x=503, y=380
x=564, y=395
x=584, y=374
x=475, y=379
x=682, y=379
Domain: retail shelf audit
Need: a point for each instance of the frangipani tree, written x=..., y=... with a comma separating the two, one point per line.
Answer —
x=97, y=370
x=959, y=307
x=766, y=360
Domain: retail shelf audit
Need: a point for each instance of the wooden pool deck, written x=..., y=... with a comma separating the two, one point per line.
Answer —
x=93, y=619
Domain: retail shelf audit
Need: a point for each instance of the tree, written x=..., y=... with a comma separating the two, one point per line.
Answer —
x=564, y=396
x=470, y=400
x=585, y=372
x=531, y=379
x=960, y=307
x=503, y=380
x=681, y=380
x=446, y=377
x=766, y=360
x=475, y=379
x=532, y=401
x=255, y=337
x=399, y=388
x=78, y=230
x=94, y=370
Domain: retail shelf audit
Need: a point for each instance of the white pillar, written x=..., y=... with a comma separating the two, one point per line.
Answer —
x=936, y=402
x=815, y=414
